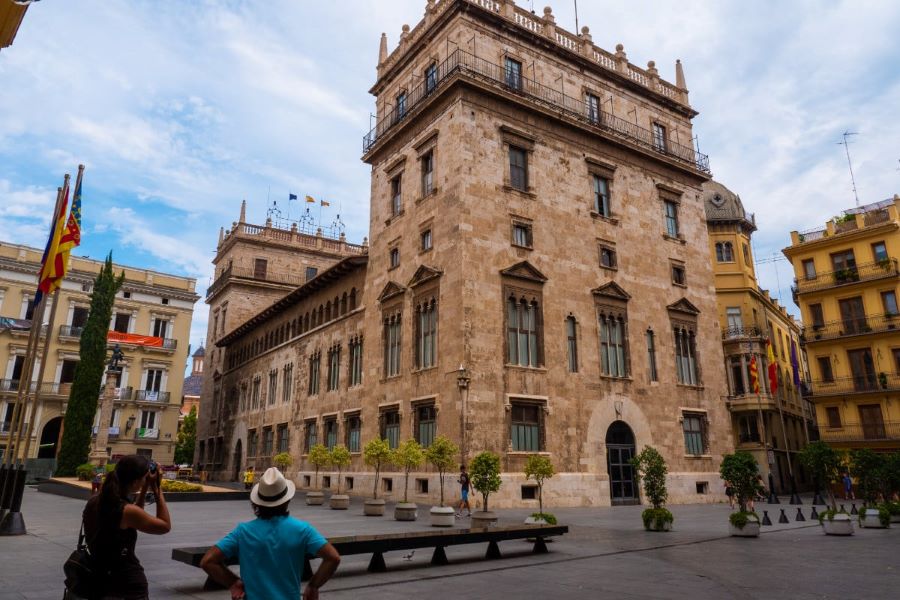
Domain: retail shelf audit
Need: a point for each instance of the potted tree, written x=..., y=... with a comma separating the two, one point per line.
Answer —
x=892, y=484
x=485, y=472
x=740, y=469
x=318, y=457
x=650, y=468
x=824, y=463
x=540, y=468
x=282, y=460
x=339, y=457
x=442, y=456
x=407, y=456
x=376, y=453
x=867, y=468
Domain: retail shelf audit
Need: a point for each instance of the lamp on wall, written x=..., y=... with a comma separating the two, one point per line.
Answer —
x=462, y=377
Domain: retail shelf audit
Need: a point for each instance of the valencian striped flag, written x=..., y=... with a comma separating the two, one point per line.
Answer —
x=773, y=368
x=52, y=265
x=754, y=375
x=71, y=236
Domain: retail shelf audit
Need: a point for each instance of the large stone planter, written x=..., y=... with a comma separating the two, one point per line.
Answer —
x=315, y=498
x=666, y=526
x=339, y=502
x=868, y=518
x=483, y=519
x=406, y=511
x=534, y=521
x=374, y=508
x=839, y=525
x=751, y=529
x=443, y=516
x=895, y=518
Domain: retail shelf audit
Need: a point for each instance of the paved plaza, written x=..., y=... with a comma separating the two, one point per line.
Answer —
x=605, y=555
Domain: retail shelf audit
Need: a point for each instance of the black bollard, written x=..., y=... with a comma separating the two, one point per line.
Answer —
x=12, y=522
x=783, y=518
x=814, y=515
x=795, y=497
x=818, y=500
x=799, y=516
x=766, y=520
x=853, y=510
x=842, y=509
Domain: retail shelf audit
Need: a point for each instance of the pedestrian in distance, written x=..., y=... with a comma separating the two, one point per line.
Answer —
x=248, y=478
x=729, y=491
x=848, y=486
x=465, y=486
x=97, y=479
x=271, y=549
x=112, y=521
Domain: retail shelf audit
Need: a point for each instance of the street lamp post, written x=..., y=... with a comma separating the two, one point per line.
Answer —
x=462, y=381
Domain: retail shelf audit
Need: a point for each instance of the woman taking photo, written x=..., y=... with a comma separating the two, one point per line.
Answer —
x=112, y=519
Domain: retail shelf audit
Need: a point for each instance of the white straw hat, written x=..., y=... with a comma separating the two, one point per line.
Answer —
x=273, y=489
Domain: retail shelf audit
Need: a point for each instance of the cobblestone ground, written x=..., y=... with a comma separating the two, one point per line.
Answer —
x=605, y=555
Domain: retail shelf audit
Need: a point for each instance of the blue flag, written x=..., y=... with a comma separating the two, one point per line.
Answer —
x=292, y=197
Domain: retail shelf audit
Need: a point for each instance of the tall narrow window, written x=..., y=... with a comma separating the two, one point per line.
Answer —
x=686, y=356
x=425, y=240
x=352, y=427
x=331, y=433
x=314, y=360
x=889, y=301
x=522, y=332
x=694, y=425
x=284, y=438
x=355, y=348
x=287, y=380
x=390, y=427
x=428, y=173
x=522, y=235
x=593, y=108
x=659, y=137
x=334, y=367
x=311, y=272
x=513, y=74
x=518, y=168
x=809, y=269
x=401, y=105
x=601, y=196
x=426, y=423
x=273, y=386
x=394, y=258
x=254, y=398
x=879, y=251
x=310, y=437
x=612, y=346
x=572, y=344
x=426, y=334
x=825, y=372
x=396, y=193
x=651, y=355
x=260, y=266
x=526, y=427
x=392, y=346
x=671, y=214
x=430, y=78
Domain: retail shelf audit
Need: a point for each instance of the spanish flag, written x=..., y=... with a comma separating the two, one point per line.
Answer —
x=71, y=237
x=773, y=368
x=324, y=203
x=754, y=375
x=52, y=265
x=310, y=200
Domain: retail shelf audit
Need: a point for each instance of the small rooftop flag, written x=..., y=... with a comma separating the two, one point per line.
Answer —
x=292, y=197
x=310, y=200
x=324, y=203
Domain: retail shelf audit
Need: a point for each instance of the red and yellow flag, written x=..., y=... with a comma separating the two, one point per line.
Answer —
x=773, y=368
x=71, y=236
x=754, y=375
x=52, y=266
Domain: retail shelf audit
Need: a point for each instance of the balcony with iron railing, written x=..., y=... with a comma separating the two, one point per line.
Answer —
x=862, y=432
x=461, y=64
x=153, y=396
x=873, y=271
x=142, y=433
x=741, y=333
x=70, y=331
x=855, y=384
x=851, y=327
x=113, y=432
x=856, y=219
x=6, y=427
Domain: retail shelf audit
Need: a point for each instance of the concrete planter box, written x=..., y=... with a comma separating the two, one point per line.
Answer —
x=315, y=498
x=483, y=519
x=406, y=511
x=534, y=521
x=868, y=518
x=840, y=525
x=667, y=526
x=443, y=516
x=339, y=502
x=751, y=529
x=895, y=518
x=374, y=508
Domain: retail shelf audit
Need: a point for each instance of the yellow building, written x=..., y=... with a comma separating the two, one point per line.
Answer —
x=748, y=316
x=151, y=322
x=846, y=287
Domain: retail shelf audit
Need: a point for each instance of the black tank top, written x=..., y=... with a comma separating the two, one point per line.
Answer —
x=113, y=548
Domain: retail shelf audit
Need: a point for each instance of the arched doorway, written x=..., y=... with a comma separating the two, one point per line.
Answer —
x=236, y=462
x=619, y=452
x=50, y=438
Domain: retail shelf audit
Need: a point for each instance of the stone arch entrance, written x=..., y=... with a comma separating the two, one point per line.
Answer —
x=49, y=443
x=236, y=461
x=620, y=449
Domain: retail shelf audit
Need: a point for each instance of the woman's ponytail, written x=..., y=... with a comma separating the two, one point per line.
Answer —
x=118, y=482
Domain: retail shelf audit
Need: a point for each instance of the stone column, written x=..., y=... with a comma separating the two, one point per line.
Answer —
x=98, y=454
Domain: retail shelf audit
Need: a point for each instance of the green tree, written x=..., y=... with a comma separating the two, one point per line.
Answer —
x=318, y=457
x=407, y=456
x=187, y=438
x=740, y=470
x=339, y=457
x=485, y=470
x=283, y=460
x=868, y=468
x=539, y=468
x=376, y=454
x=650, y=470
x=825, y=464
x=442, y=455
x=82, y=406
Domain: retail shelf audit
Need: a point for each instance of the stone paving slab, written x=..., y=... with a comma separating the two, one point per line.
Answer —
x=606, y=554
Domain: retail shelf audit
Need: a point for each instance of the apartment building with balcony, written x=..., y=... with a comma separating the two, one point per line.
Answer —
x=771, y=426
x=846, y=286
x=151, y=324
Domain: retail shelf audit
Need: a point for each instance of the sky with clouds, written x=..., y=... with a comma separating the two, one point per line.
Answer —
x=180, y=110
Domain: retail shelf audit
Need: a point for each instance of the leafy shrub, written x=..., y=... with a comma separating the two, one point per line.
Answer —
x=740, y=470
x=740, y=518
x=539, y=468
x=170, y=485
x=377, y=453
x=651, y=470
x=282, y=460
x=85, y=472
x=893, y=508
x=407, y=456
x=656, y=518
x=547, y=517
x=485, y=471
x=829, y=514
x=442, y=455
x=339, y=457
x=825, y=464
x=884, y=514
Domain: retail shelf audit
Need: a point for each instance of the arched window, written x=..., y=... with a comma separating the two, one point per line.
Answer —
x=328, y=311
x=353, y=299
x=724, y=252
x=344, y=304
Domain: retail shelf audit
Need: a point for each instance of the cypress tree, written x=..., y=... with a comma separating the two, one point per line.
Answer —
x=83, y=398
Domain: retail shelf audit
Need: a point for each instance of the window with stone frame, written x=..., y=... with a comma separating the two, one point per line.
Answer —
x=334, y=367
x=425, y=425
x=287, y=382
x=652, y=373
x=748, y=259
x=523, y=314
x=273, y=386
x=826, y=374
x=352, y=429
x=331, y=432
x=243, y=397
x=518, y=168
x=895, y=352
x=608, y=259
x=572, y=343
x=389, y=426
x=611, y=305
x=659, y=136
x=268, y=441
x=526, y=425
x=392, y=339
x=679, y=275
x=694, y=425
x=724, y=252
x=431, y=77
x=355, y=349
x=310, y=434
x=687, y=369
x=427, y=162
x=252, y=442
x=426, y=332
x=833, y=416
x=522, y=234
x=254, y=398
x=425, y=240
x=396, y=195
x=592, y=103
x=313, y=384
x=284, y=438
x=394, y=258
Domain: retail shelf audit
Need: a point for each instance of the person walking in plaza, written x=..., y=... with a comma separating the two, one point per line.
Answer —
x=271, y=549
x=112, y=521
x=248, y=478
x=729, y=492
x=848, y=486
x=97, y=479
x=465, y=484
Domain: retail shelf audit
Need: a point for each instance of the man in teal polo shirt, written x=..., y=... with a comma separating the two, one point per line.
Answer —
x=271, y=549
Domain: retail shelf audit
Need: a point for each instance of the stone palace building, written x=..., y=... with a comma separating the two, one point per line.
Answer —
x=537, y=278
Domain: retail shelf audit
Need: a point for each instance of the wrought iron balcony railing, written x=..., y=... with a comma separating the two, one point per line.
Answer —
x=848, y=327
x=6, y=427
x=737, y=333
x=152, y=396
x=859, y=432
x=461, y=63
x=70, y=331
x=863, y=272
x=857, y=384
